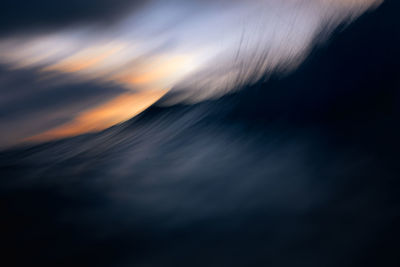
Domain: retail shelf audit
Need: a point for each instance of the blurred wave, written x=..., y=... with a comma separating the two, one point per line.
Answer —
x=299, y=171
x=202, y=49
x=140, y=50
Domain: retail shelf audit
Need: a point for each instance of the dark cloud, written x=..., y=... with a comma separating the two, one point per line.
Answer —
x=30, y=104
x=23, y=15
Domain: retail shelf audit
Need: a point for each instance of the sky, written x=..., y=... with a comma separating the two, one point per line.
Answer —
x=73, y=67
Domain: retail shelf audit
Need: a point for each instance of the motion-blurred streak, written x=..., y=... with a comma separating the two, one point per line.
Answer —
x=111, y=113
x=198, y=49
x=300, y=169
x=222, y=38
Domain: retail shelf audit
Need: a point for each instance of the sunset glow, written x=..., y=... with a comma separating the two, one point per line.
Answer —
x=111, y=113
x=218, y=48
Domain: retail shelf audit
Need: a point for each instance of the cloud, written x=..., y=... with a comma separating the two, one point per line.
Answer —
x=32, y=103
x=119, y=109
x=197, y=49
x=22, y=15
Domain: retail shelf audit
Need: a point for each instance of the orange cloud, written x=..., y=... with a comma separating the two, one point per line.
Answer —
x=159, y=72
x=84, y=60
x=113, y=112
